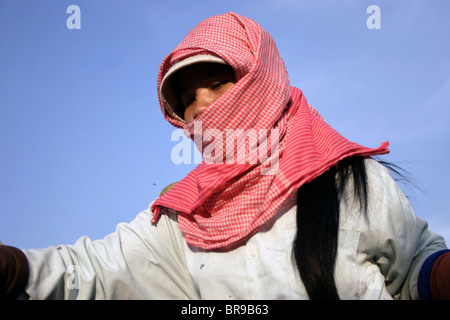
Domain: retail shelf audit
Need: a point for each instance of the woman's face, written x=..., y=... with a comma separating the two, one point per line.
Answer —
x=202, y=84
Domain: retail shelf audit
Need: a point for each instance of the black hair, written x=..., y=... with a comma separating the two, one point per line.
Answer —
x=316, y=243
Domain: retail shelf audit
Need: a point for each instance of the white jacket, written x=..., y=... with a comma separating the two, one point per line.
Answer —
x=378, y=258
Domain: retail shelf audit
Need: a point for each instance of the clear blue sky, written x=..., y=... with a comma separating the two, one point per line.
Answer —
x=84, y=146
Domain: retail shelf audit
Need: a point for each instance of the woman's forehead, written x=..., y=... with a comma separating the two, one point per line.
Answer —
x=200, y=72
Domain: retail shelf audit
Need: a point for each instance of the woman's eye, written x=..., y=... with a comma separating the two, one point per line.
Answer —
x=216, y=85
x=189, y=101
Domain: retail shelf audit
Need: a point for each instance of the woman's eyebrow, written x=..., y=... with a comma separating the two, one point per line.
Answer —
x=210, y=74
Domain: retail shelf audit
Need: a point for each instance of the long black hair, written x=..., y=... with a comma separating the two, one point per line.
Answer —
x=316, y=243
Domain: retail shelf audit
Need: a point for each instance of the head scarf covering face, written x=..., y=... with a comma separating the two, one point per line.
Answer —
x=222, y=202
x=258, y=66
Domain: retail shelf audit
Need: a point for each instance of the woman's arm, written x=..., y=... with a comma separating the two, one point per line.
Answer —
x=137, y=261
x=397, y=240
x=13, y=272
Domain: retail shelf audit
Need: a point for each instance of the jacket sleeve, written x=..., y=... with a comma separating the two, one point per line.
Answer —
x=138, y=261
x=397, y=240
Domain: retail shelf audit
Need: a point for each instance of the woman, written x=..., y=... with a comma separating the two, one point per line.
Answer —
x=282, y=207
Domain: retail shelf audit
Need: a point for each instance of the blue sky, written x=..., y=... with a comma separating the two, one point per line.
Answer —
x=84, y=146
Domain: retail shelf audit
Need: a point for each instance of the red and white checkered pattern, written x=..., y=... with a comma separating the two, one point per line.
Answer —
x=220, y=205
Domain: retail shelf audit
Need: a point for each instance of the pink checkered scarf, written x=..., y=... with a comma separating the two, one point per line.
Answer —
x=220, y=205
